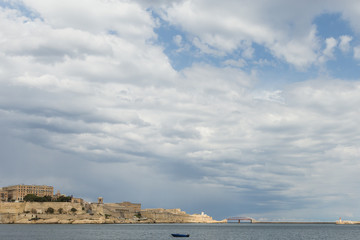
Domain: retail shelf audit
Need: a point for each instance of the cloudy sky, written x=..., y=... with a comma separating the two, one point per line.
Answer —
x=234, y=108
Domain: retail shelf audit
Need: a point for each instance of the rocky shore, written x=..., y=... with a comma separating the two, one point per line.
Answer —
x=93, y=213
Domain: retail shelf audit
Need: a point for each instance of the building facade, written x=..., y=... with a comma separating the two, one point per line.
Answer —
x=77, y=200
x=18, y=192
x=3, y=195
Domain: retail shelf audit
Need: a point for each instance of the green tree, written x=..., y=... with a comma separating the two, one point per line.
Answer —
x=30, y=198
x=60, y=210
x=50, y=210
x=63, y=199
x=34, y=198
x=73, y=210
x=47, y=198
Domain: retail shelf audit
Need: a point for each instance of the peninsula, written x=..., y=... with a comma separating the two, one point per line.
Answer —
x=33, y=204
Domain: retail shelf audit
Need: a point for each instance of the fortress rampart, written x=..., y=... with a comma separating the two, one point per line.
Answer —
x=79, y=213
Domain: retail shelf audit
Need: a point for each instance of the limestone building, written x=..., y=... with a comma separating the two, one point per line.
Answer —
x=18, y=192
x=3, y=195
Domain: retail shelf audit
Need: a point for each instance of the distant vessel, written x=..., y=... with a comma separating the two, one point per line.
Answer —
x=180, y=235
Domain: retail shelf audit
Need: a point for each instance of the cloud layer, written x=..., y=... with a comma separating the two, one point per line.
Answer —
x=90, y=103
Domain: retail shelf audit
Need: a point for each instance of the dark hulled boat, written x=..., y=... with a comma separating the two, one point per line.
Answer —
x=180, y=235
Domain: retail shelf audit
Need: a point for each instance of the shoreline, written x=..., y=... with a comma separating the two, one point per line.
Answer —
x=182, y=223
x=93, y=213
x=294, y=222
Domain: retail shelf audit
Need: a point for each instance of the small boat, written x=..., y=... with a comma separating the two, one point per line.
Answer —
x=180, y=235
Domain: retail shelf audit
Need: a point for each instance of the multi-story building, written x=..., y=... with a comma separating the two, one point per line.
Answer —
x=18, y=192
x=3, y=195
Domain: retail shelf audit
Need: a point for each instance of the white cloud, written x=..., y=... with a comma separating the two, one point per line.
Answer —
x=284, y=28
x=206, y=48
x=345, y=43
x=113, y=103
x=248, y=52
x=274, y=96
x=236, y=63
x=350, y=11
x=357, y=52
x=128, y=20
x=264, y=62
x=331, y=43
x=178, y=40
x=328, y=52
x=68, y=52
x=296, y=52
x=235, y=25
x=214, y=124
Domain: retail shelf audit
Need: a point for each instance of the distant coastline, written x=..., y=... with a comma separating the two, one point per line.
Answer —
x=93, y=213
x=34, y=204
x=295, y=222
x=37, y=204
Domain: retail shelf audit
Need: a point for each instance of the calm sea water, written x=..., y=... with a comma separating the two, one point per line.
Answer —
x=196, y=231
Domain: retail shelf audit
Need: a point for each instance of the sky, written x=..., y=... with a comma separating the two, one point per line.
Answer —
x=232, y=108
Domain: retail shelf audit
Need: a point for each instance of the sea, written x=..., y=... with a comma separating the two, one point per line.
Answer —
x=243, y=231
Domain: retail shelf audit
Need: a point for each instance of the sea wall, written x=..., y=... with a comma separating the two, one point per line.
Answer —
x=77, y=213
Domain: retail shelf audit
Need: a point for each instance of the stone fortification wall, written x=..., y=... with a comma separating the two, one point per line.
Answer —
x=160, y=215
x=38, y=207
x=35, y=212
x=135, y=207
x=96, y=208
x=125, y=210
x=9, y=207
x=41, y=207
